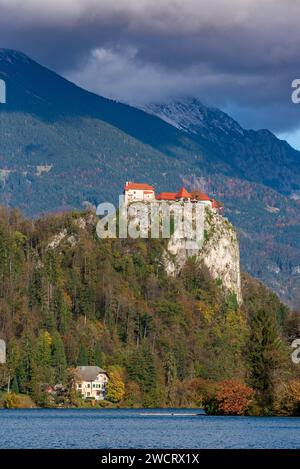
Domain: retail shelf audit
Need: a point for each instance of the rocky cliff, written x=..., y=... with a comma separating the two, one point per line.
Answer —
x=219, y=252
x=219, y=249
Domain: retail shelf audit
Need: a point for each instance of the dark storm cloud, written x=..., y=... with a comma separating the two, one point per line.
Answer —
x=238, y=55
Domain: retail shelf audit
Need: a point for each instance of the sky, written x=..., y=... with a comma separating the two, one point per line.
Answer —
x=238, y=55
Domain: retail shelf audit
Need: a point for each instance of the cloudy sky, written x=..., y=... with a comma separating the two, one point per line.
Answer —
x=239, y=55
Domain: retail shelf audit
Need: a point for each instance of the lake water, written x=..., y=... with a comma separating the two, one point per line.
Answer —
x=131, y=428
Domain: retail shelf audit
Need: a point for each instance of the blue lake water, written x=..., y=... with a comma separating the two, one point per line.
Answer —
x=131, y=428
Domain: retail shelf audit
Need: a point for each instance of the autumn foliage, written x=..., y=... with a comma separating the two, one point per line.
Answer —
x=288, y=398
x=231, y=398
x=69, y=299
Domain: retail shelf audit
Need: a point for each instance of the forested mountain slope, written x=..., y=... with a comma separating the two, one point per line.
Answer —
x=68, y=298
x=62, y=147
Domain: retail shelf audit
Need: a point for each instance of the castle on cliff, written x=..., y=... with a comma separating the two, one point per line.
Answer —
x=141, y=192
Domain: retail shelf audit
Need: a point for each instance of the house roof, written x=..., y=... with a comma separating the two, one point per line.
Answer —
x=216, y=204
x=183, y=193
x=200, y=195
x=89, y=373
x=138, y=186
x=167, y=196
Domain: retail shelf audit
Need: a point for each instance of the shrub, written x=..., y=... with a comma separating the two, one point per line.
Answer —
x=231, y=398
x=287, y=400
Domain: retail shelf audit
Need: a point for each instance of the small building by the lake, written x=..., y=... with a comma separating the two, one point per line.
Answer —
x=91, y=382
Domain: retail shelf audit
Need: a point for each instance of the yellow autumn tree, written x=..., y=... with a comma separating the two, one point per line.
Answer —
x=115, y=389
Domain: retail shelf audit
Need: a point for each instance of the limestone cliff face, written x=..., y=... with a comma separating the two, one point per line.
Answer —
x=219, y=252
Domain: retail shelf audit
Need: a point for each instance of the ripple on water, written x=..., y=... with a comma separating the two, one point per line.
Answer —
x=135, y=428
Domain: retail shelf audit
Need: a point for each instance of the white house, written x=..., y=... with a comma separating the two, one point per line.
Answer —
x=137, y=192
x=91, y=382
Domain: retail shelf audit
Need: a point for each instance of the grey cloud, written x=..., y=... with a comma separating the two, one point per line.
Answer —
x=238, y=55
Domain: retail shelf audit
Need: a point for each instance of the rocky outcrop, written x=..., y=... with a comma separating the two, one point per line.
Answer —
x=219, y=252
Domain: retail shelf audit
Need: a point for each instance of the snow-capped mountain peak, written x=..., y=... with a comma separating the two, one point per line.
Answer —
x=190, y=115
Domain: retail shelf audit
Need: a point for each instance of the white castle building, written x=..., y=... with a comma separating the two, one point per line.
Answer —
x=141, y=192
x=137, y=192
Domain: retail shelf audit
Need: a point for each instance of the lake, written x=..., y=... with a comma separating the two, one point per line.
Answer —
x=134, y=428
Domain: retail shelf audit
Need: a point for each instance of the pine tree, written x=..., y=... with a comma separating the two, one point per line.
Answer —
x=98, y=356
x=83, y=356
x=59, y=361
x=141, y=368
x=265, y=354
x=14, y=385
x=24, y=370
x=42, y=372
x=42, y=350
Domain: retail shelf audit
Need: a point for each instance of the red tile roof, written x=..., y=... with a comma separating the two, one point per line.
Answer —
x=183, y=193
x=200, y=196
x=166, y=196
x=138, y=186
x=216, y=204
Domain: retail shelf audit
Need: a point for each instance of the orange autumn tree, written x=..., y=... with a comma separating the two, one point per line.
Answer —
x=230, y=397
x=233, y=397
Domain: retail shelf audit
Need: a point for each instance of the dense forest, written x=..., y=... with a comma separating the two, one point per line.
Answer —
x=68, y=298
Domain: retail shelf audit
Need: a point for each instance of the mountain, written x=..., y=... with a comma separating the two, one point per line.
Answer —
x=62, y=147
x=256, y=156
x=71, y=299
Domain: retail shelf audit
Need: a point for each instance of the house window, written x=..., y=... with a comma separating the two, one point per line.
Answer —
x=88, y=385
x=79, y=385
